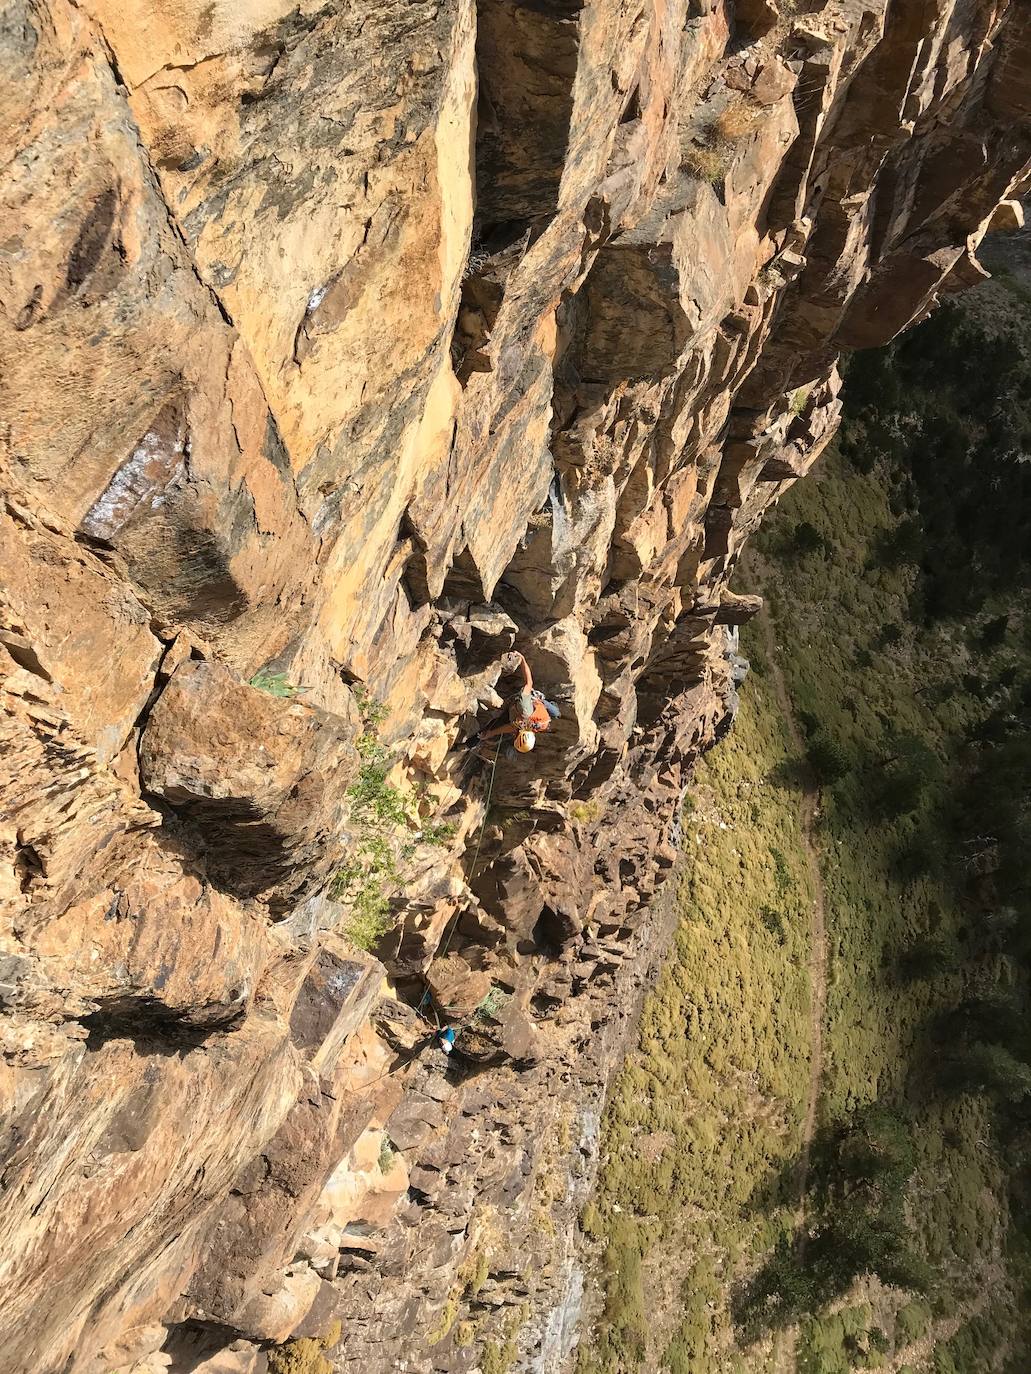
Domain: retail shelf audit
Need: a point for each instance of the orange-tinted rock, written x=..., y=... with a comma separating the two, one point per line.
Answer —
x=120, y=1144
x=361, y=346
x=260, y=779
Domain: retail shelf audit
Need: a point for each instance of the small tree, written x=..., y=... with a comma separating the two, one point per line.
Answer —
x=827, y=757
x=990, y=1069
x=926, y=959
x=877, y=1149
x=995, y=1019
x=893, y=547
x=808, y=539
x=993, y=633
x=910, y=770
x=901, y=793
x=919, y=854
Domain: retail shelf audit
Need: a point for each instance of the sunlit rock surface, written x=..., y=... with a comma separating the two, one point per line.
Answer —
x=347, y=348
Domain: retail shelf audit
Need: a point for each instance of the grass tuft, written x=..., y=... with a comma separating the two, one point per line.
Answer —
x=276, y=684
x=386, y=819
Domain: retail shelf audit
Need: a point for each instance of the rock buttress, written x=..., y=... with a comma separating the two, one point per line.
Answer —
x=345, y=351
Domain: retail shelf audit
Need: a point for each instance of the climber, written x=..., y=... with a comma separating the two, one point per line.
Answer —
x=445, y=1038
x=529, y=715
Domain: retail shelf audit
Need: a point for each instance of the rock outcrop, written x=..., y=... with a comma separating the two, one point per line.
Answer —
x=347, y=348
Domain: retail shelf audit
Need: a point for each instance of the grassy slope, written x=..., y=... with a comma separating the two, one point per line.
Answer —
x=698, y=1120
x=862, y=691
x=712, y=1099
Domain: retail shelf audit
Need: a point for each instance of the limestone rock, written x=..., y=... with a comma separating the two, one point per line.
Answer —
x=262, y=780
x=357, y=347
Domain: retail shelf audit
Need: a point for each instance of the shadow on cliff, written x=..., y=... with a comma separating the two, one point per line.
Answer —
x=152, y=1027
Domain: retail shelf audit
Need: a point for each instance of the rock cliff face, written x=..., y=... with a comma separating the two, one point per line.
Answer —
x=347, y=348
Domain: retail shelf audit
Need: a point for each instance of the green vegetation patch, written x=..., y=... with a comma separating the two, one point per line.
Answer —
x=898, y=582
x=388, y=829
x=913, y=682
x=276, y=684
x=305, y=1355
x=712, y=1100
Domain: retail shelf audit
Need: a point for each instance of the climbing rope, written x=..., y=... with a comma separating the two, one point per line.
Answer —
x=442, y=948
x=486, y=808
x=444, y=944
x=353, y=1092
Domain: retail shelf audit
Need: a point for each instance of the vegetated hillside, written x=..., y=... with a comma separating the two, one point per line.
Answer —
x=898, y=583
x=904, y=573
x=710, y=1103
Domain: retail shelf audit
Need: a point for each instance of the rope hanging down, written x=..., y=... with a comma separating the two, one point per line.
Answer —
x=443, y=947
x=442, y=950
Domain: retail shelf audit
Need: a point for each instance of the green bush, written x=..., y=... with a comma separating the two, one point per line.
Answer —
x=493, y=1004
x=926, y=959
x=389, y=828
x=908, y=775
x=919, y=854
x=994, y=1018
x=781, y=872
x=827, y=757
x=440, y=833
x=305, y=1356
x=774, y=922
x=387, y=1155
x=911, y=1321
x=876, y=1147
x=276, y=684
x=807, y=539
x=372, y=712
x=988, y=1068
x=897, y=546
x=367, y=883
x=993, y=633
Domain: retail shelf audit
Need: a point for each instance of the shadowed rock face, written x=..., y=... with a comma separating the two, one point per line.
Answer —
x=352, y=347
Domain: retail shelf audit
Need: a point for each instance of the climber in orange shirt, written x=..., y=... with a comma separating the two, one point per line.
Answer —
x=529, y=713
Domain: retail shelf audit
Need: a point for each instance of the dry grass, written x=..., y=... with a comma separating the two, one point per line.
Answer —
x=707, y=163
x=735, y=121
x=710, y=154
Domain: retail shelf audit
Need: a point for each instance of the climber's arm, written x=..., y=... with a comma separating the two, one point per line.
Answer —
x=527, y=675
x=499, y=730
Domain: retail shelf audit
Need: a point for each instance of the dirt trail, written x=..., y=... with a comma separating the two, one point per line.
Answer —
x=808, y=808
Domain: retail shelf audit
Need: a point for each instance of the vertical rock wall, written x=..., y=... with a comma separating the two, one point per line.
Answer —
x=349, y=347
